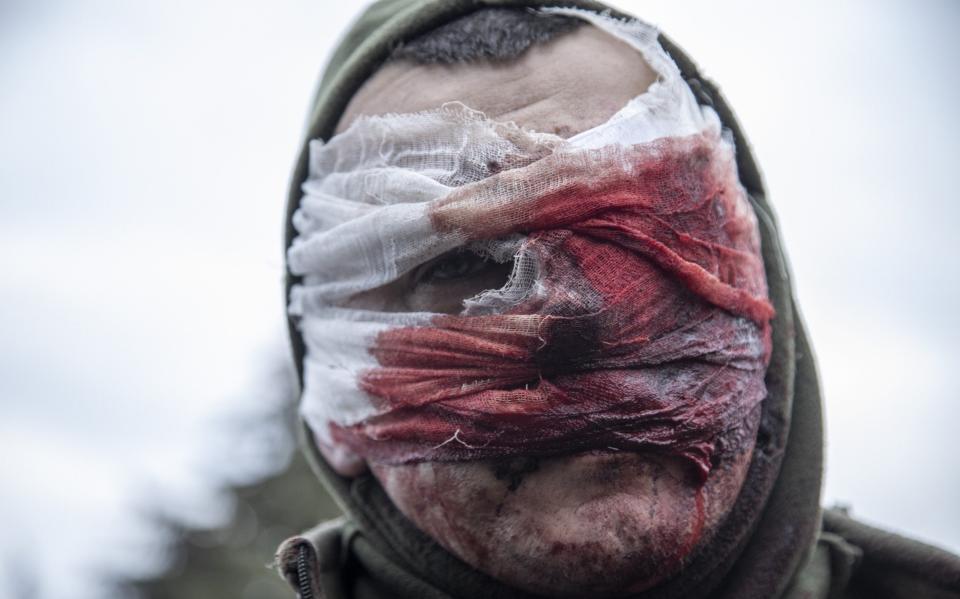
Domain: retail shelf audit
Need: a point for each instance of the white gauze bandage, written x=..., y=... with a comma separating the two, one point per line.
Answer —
x=392, y=192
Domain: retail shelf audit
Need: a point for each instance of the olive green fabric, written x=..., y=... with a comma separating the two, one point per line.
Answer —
x=772, y=530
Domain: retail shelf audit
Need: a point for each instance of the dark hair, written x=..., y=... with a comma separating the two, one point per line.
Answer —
x=492, y=33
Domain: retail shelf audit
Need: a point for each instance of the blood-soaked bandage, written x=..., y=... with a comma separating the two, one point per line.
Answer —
x=636, y=316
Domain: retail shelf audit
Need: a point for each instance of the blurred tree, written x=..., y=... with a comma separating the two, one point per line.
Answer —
x=235, y=560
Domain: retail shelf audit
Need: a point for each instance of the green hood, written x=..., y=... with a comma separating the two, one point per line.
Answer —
x=773, y=525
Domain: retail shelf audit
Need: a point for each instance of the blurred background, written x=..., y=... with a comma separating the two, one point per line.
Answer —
x=146, y=444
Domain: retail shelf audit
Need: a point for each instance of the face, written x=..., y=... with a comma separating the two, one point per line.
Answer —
x=593, y=523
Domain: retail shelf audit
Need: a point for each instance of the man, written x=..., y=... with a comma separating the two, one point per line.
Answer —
x=545, y=330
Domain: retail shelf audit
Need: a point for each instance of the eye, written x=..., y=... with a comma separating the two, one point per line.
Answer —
x=453, y=266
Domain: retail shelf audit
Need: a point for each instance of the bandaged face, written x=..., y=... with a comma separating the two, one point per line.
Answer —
x=533, y=303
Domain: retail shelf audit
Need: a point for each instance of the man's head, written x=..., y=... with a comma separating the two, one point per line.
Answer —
x=589, y=522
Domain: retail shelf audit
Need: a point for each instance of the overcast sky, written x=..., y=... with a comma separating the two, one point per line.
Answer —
x=144, y=153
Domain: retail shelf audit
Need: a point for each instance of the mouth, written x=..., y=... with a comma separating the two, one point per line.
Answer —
x=598, y=467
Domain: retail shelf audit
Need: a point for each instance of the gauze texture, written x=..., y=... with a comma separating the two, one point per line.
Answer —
x=636, y=316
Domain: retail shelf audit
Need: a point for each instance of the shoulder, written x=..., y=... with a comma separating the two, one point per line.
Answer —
x=854, y=560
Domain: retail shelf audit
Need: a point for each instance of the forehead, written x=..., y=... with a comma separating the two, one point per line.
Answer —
x=565, y=86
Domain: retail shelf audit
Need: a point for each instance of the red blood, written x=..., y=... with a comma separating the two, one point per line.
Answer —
x=696, y=530
x=651, y=332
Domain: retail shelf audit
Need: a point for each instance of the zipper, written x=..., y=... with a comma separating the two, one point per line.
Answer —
x=304, y=588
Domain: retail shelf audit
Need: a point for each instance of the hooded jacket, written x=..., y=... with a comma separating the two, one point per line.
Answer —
x=775, y=542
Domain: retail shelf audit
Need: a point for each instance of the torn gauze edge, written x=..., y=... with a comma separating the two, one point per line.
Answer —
x=636, y=317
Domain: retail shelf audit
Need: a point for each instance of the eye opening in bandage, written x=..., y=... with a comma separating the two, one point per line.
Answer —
x=457, y=264
x=444, y=283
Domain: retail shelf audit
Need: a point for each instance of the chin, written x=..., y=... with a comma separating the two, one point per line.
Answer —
x=626, y=524
x=603, y=524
